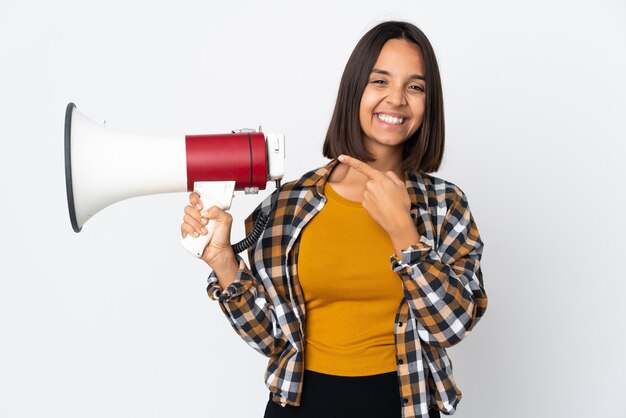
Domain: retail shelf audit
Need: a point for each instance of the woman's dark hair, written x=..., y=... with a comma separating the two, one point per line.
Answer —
x=423, y=152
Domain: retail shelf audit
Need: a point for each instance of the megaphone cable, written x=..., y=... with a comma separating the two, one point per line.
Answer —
x=253, y=237
x=259, y=226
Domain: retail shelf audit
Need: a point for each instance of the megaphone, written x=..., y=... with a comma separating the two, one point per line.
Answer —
x=103, y=167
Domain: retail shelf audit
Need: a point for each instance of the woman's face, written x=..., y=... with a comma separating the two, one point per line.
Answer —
x=392, y=105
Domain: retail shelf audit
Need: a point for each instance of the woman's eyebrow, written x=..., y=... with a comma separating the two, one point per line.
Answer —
x=384, y=72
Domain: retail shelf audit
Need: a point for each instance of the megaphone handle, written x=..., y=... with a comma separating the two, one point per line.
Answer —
x=212, y=193
x=196, y=245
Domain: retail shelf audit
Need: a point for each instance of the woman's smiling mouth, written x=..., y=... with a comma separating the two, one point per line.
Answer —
x=392, y=120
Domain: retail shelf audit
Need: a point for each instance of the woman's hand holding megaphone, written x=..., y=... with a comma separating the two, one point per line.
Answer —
x=218, y=254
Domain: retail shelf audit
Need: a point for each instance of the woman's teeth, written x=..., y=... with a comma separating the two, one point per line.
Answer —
x=390, y=119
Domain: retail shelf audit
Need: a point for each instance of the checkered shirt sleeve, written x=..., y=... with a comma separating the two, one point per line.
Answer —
x=245, y=304
x=442, y=280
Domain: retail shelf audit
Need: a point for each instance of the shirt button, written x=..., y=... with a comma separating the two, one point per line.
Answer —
x=400, y=361
x=405, y=400
x=400, y=324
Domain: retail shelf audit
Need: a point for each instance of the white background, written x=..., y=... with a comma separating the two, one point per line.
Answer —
x=115, y=322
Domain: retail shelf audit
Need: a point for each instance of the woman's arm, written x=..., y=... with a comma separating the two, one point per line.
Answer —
x=444, y=287
x=246, y=306
x=242, y=298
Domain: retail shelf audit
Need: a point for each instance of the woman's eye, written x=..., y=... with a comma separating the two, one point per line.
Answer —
x=416, y=87
x=378, y=82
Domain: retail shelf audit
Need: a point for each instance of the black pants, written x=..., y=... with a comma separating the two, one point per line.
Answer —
x=326, y=396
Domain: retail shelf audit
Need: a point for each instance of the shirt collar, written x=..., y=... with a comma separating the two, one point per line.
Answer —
x=317, y=178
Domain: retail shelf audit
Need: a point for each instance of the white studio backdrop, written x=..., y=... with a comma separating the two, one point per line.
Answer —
x=115, y=321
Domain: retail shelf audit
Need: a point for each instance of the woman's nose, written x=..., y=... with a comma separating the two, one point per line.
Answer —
x=396, y=96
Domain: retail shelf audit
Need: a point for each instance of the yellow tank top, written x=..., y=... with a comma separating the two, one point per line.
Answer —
x=351, y=294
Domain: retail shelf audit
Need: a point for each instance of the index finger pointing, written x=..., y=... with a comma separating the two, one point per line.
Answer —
x=360, y=166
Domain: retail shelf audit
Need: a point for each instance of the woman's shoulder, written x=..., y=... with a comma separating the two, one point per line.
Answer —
x=291, y=192
x=437, y=188
x=312, y=179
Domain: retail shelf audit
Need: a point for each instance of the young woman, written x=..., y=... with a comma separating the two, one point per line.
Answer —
x=369, y=268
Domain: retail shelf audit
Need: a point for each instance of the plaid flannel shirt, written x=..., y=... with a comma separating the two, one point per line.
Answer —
x=443, y=290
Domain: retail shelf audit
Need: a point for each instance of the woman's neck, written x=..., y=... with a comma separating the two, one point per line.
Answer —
x=387, y=159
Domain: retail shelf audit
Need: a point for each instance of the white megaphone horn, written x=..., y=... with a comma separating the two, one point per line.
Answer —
x=103, y=167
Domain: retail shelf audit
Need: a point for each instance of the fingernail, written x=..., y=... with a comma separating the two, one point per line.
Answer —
x=204, y=221
x=204, y=231
x=198, y=206
x=195, y=234
x=204, y=213
x=341, y=158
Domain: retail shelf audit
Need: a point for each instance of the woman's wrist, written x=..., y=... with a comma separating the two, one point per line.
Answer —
x=225, y=269
x=403, y=235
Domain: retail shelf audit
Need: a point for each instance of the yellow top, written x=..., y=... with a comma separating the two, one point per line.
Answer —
x=351, y=293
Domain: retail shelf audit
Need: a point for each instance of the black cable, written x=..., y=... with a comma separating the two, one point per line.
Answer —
x=259, y=225
x=253, y=237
